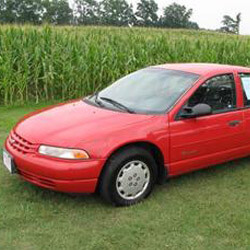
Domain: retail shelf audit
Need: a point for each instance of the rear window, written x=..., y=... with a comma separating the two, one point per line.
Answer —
x=245, y=81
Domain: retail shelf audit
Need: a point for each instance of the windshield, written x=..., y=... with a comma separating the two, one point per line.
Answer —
x=151, y=90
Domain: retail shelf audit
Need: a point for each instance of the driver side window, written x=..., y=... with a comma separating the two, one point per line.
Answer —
x=218, y=92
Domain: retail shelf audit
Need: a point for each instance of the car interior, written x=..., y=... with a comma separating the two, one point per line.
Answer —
x=218, y=92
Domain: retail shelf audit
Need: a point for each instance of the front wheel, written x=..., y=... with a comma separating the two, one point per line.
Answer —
x=129, y=176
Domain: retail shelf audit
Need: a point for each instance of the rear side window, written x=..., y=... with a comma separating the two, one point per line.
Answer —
x=245, y=81
x=218, y=92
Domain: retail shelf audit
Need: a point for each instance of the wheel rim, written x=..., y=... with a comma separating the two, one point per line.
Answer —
x=132, y=180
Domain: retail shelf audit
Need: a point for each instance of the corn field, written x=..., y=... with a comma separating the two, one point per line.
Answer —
x=60, y=63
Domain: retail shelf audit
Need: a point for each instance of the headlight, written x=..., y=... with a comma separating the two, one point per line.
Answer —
x=64, y=153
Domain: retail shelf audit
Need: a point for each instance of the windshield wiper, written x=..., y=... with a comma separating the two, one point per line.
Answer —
x=117, y=104
x=96, y=100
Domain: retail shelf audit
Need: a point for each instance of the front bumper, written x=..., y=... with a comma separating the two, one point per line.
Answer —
x=57, y=174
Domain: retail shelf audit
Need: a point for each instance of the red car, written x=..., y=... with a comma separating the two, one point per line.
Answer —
x=153, y=124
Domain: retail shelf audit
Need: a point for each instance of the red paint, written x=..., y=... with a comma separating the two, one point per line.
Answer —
x=186, y=145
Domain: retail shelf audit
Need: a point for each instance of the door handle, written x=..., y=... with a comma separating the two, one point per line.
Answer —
x=234, y=123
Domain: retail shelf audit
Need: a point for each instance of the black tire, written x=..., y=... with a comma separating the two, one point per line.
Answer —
x=107, y=185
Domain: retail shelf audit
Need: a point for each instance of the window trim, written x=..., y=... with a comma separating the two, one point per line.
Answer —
x=177, y=116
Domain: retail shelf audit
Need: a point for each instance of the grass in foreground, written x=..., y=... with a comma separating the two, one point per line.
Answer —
x=209, y=209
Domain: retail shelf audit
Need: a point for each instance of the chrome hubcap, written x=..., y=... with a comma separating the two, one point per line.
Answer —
x=133, y=180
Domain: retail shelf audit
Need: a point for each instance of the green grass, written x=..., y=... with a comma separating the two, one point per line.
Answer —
x=209, y=209
x=51, y=63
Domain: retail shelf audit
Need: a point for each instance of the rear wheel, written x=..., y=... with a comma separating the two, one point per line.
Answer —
x=128, y=177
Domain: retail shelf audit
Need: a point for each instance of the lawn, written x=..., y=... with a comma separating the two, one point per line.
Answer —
x=208, y=209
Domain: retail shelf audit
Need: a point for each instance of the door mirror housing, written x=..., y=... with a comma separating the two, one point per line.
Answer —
x=196, y=111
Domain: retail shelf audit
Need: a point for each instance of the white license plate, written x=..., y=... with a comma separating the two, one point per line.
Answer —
x=8, y=162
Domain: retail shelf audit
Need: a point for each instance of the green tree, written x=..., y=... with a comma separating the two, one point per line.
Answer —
x=29, y=11
x=231, y=25
x=87, y=12
x=147, y=13
x=22, y=11
x=193, y=25
x=116, y=12
x=177, y=16
x=8, y=11
x=57, y=12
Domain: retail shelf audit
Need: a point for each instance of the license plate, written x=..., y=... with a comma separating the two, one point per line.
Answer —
x=8, y=162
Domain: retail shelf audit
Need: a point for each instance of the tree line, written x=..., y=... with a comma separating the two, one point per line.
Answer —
x=104, y=12
x=92, y=12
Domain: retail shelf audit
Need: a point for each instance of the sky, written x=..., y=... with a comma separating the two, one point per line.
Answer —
x=209, y=14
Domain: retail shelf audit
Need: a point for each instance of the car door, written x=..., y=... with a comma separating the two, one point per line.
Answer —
x=203, y=141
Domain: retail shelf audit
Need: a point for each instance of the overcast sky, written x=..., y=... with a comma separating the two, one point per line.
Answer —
x=209, y=14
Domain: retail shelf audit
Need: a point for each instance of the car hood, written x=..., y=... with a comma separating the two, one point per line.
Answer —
x=68, y=124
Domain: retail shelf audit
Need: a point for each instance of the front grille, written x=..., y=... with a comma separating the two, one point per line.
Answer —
x=36, y=180
x=20, y=144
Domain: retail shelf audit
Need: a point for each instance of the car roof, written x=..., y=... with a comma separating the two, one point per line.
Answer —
x=203, y=68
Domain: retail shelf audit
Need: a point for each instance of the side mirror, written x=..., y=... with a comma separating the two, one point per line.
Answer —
x=196, y=111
